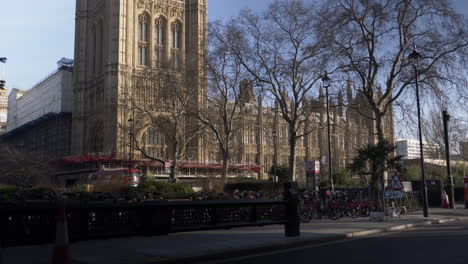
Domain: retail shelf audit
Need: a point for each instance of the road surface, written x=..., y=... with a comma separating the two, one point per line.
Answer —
x=446, y=243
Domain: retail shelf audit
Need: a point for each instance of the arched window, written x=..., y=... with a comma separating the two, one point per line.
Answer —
x=142, y=39
x=176, y=30
x=159, y=41
x=176, y=40
x=154, y=143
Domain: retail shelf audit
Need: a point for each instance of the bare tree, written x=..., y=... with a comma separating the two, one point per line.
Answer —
x=434, y=132
x=160, y=122
x=21, y=169
x=227, y=86
x=280, y=51
x=373, y=39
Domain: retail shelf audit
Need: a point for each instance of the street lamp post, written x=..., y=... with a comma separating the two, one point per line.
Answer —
x=326, y=83
x=414, y=57
x=130, y=155
x=446, y=118
x=275, y=156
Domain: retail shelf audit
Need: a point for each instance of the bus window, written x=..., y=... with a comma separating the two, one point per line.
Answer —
x=132, y=177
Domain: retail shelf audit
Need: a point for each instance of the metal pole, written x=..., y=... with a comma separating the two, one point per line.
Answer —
x=329, y=142
x=424, y=185
x=446, y=118
x=275, y=156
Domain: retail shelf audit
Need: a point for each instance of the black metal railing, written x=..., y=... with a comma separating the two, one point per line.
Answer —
x=35, y=223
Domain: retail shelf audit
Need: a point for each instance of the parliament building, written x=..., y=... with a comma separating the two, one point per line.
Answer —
x=117, y=42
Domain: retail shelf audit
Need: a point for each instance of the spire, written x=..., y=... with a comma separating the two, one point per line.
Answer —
x=340, y=103
x=349, y=92
x=322, y=102
x=246, y=92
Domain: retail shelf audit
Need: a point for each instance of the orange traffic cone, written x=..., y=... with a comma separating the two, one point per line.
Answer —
x=445, y=203
x=61, y=253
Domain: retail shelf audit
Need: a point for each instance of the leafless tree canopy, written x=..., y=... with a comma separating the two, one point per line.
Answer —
x=280, y=50
x=372, y=40
x=160, y=124
x=221, y=108
x=434, y=132
x=21, y=169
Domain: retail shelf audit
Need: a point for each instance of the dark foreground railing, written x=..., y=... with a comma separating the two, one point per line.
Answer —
x=35, y=223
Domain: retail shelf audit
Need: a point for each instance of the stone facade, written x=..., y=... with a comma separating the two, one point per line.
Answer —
x=117, y=40
x=263, y=135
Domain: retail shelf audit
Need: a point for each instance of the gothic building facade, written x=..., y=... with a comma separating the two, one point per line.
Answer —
x=262, y=137
x=118, y=41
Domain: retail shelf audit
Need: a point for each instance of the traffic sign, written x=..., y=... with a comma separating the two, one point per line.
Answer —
x=394, y=194
x=395, y=183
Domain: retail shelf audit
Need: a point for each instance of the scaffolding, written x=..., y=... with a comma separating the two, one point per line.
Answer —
x=186, y=169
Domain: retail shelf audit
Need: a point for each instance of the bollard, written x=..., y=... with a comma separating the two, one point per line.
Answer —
x=291, y=195
x=465, y=182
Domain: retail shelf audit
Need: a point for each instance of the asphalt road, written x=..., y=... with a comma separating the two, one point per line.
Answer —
x=446, y=243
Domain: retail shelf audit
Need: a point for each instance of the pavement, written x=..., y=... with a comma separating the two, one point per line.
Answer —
x=202, y=246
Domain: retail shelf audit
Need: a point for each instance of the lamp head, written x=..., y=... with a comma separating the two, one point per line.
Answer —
x=414, y=56
x=326, y=80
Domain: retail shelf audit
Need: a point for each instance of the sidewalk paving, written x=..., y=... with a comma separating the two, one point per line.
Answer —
x=191, y=246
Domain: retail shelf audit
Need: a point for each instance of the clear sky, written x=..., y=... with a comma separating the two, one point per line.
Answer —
x=35, y=34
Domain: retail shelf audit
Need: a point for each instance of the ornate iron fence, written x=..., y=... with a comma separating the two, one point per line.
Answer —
x=35, y=223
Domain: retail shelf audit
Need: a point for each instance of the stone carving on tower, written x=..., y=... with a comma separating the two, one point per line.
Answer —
x=117, y=40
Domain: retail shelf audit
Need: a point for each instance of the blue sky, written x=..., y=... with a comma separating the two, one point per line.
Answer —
x=36, y=37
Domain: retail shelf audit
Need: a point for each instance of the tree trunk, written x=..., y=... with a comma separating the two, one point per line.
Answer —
x=379, y=128
x=172, y=176
x=292, y=153
x=381, y=169
x=225, y=167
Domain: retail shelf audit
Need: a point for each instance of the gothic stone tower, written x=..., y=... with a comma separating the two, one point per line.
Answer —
x=116, y=40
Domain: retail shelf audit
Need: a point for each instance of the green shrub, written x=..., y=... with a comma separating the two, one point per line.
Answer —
x=8, y=192
x=166, y=189
x=38, y=193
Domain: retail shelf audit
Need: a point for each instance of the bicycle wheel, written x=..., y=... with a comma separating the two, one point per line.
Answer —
x=365, y=212
x=334, y=215
x=305, y=216
x=352, y=213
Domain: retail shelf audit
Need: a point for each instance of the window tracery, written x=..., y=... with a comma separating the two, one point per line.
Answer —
x=154, y=143
x=159, y=41
x=142, y=40
x=176, y=40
